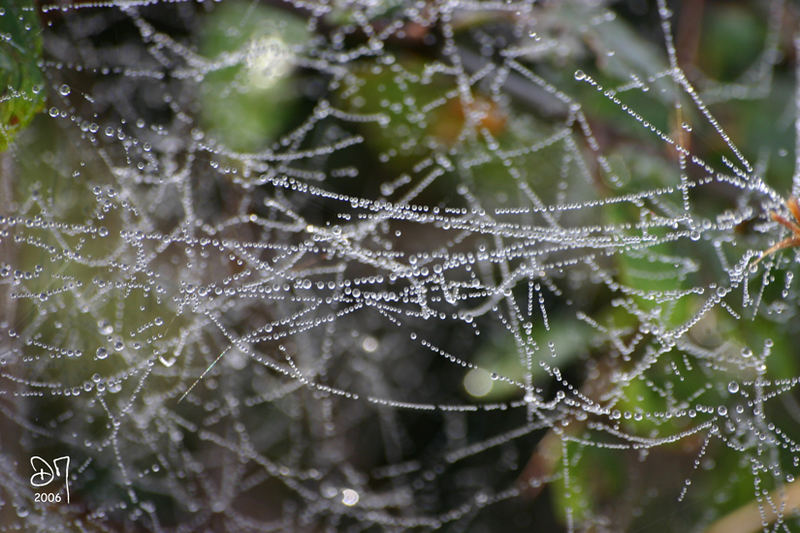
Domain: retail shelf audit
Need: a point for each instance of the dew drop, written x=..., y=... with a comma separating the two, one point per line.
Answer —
x=349, y=497
x=104, y=327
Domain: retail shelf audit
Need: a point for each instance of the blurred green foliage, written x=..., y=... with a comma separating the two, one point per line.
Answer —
x=249, y=92
x=21, y=83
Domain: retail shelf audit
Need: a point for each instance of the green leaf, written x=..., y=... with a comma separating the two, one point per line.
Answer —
x=20, y=78
x=248, y=95
x=569, y=337
x=595, y=477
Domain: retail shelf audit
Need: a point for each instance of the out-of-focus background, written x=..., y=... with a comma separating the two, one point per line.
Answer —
x=393, y=265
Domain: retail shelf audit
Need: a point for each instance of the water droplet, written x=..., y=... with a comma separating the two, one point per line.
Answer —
x=104, y=327
x=349, y=497
x=369, y=344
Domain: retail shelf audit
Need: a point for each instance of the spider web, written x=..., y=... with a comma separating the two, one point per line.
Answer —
x=381, y=265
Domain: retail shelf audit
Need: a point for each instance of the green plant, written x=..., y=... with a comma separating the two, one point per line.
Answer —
x=392, y=265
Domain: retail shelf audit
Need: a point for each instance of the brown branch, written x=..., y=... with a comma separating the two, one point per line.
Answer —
x=689, y=29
